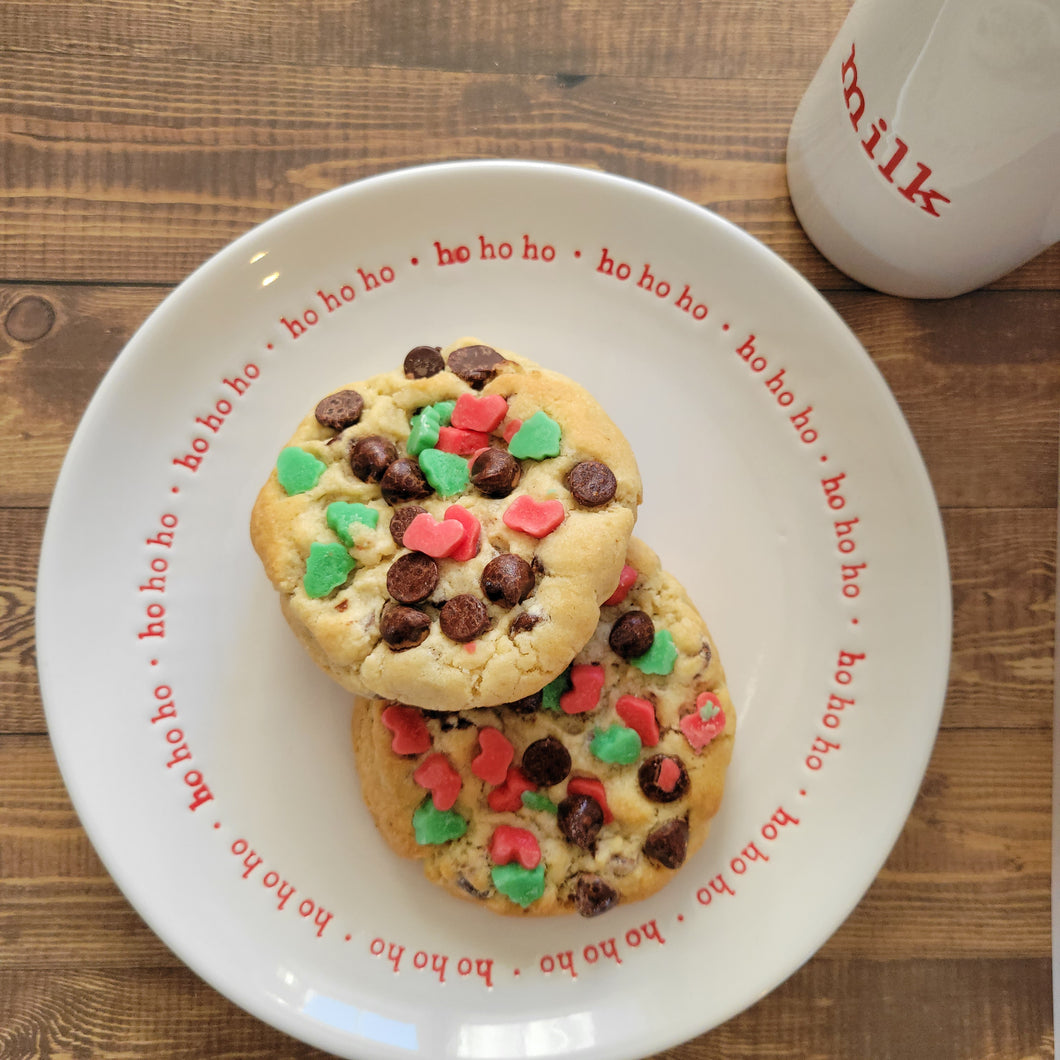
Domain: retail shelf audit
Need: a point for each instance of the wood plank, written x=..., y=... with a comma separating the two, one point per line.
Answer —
x=973, y=864
x=968, y=878
x=979, y=382
x=161, y=1013
x=46, y=382
x=157, y=164
x=1003, y=572
x=829, y=1010
x=48, y=863
x=220, y=150
x=20, y=703
x=856, y=1010
x=975, y=406
x=637, y=38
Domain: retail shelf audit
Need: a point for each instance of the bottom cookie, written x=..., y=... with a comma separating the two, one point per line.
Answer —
x=590, y=793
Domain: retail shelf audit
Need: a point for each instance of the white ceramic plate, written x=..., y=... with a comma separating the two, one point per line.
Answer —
x=209, y=759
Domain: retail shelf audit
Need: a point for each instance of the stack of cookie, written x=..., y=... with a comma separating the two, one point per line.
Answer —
x=540, y=712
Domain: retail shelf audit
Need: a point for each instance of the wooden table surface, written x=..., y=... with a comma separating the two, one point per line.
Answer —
x=138, y=138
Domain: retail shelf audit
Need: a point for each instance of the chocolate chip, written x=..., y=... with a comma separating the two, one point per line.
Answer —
x=592, y=483
x=404, y=481
x=412, y=578
x=580, y=819
x=370, y=456
x=422, y=362
x=632, y=634
x=464, y=618
x=592, y=896
x=400, y=522
x=448, y=719
x=403, y=627
x=476, y=365
x=668, y=844
x=648, y=778
x=469, y=888
x=530, y=704
x=340, y=410
x=495, y=472
x=523, y=623
x=507, y=577
x=706, y=653
x=546, y=761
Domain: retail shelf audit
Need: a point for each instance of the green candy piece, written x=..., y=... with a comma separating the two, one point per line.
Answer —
x=534, y=800
x=298, y=470
x=537, y=438
x=446, y=472
x=444, y=411
x=553, y=690
x=616, y=744
x=327, y=567
x=424, y=432
x=433, y=826
x=522, y=886
x=342, y=517
x=660, y=657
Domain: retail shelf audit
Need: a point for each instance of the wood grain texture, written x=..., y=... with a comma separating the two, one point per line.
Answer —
x=46, y=384
x=20, y=702
x=906, y=1010
x=829, y=1010
x=109, y=184
x=137, y=139
x=74, y=182
x=970, y=873
x=161, y=1014
x=1003, y=574
x=978, y=379
x=638, y=38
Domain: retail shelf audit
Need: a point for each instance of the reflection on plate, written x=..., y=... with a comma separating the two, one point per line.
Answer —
x=209, y=759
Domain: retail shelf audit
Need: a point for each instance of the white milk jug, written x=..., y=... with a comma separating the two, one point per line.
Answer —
x=924, y=158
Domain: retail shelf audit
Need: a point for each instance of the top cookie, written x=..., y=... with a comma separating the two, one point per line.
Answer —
x=444, y=534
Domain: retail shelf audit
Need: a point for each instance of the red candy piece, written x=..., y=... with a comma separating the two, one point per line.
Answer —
x=491, y=765
x=514, y=844
x=409, y=728
x=639, y=715
x=536, y=518
x=626, y=580
x=669, y=775
x=508, y=797
x=467, y=546
x=587, y=680
x=463, y=443
x=437, y=774
x=511, y=428
x=424, y=534
x=594, y=789
x=475, y=413
x=703, y=725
